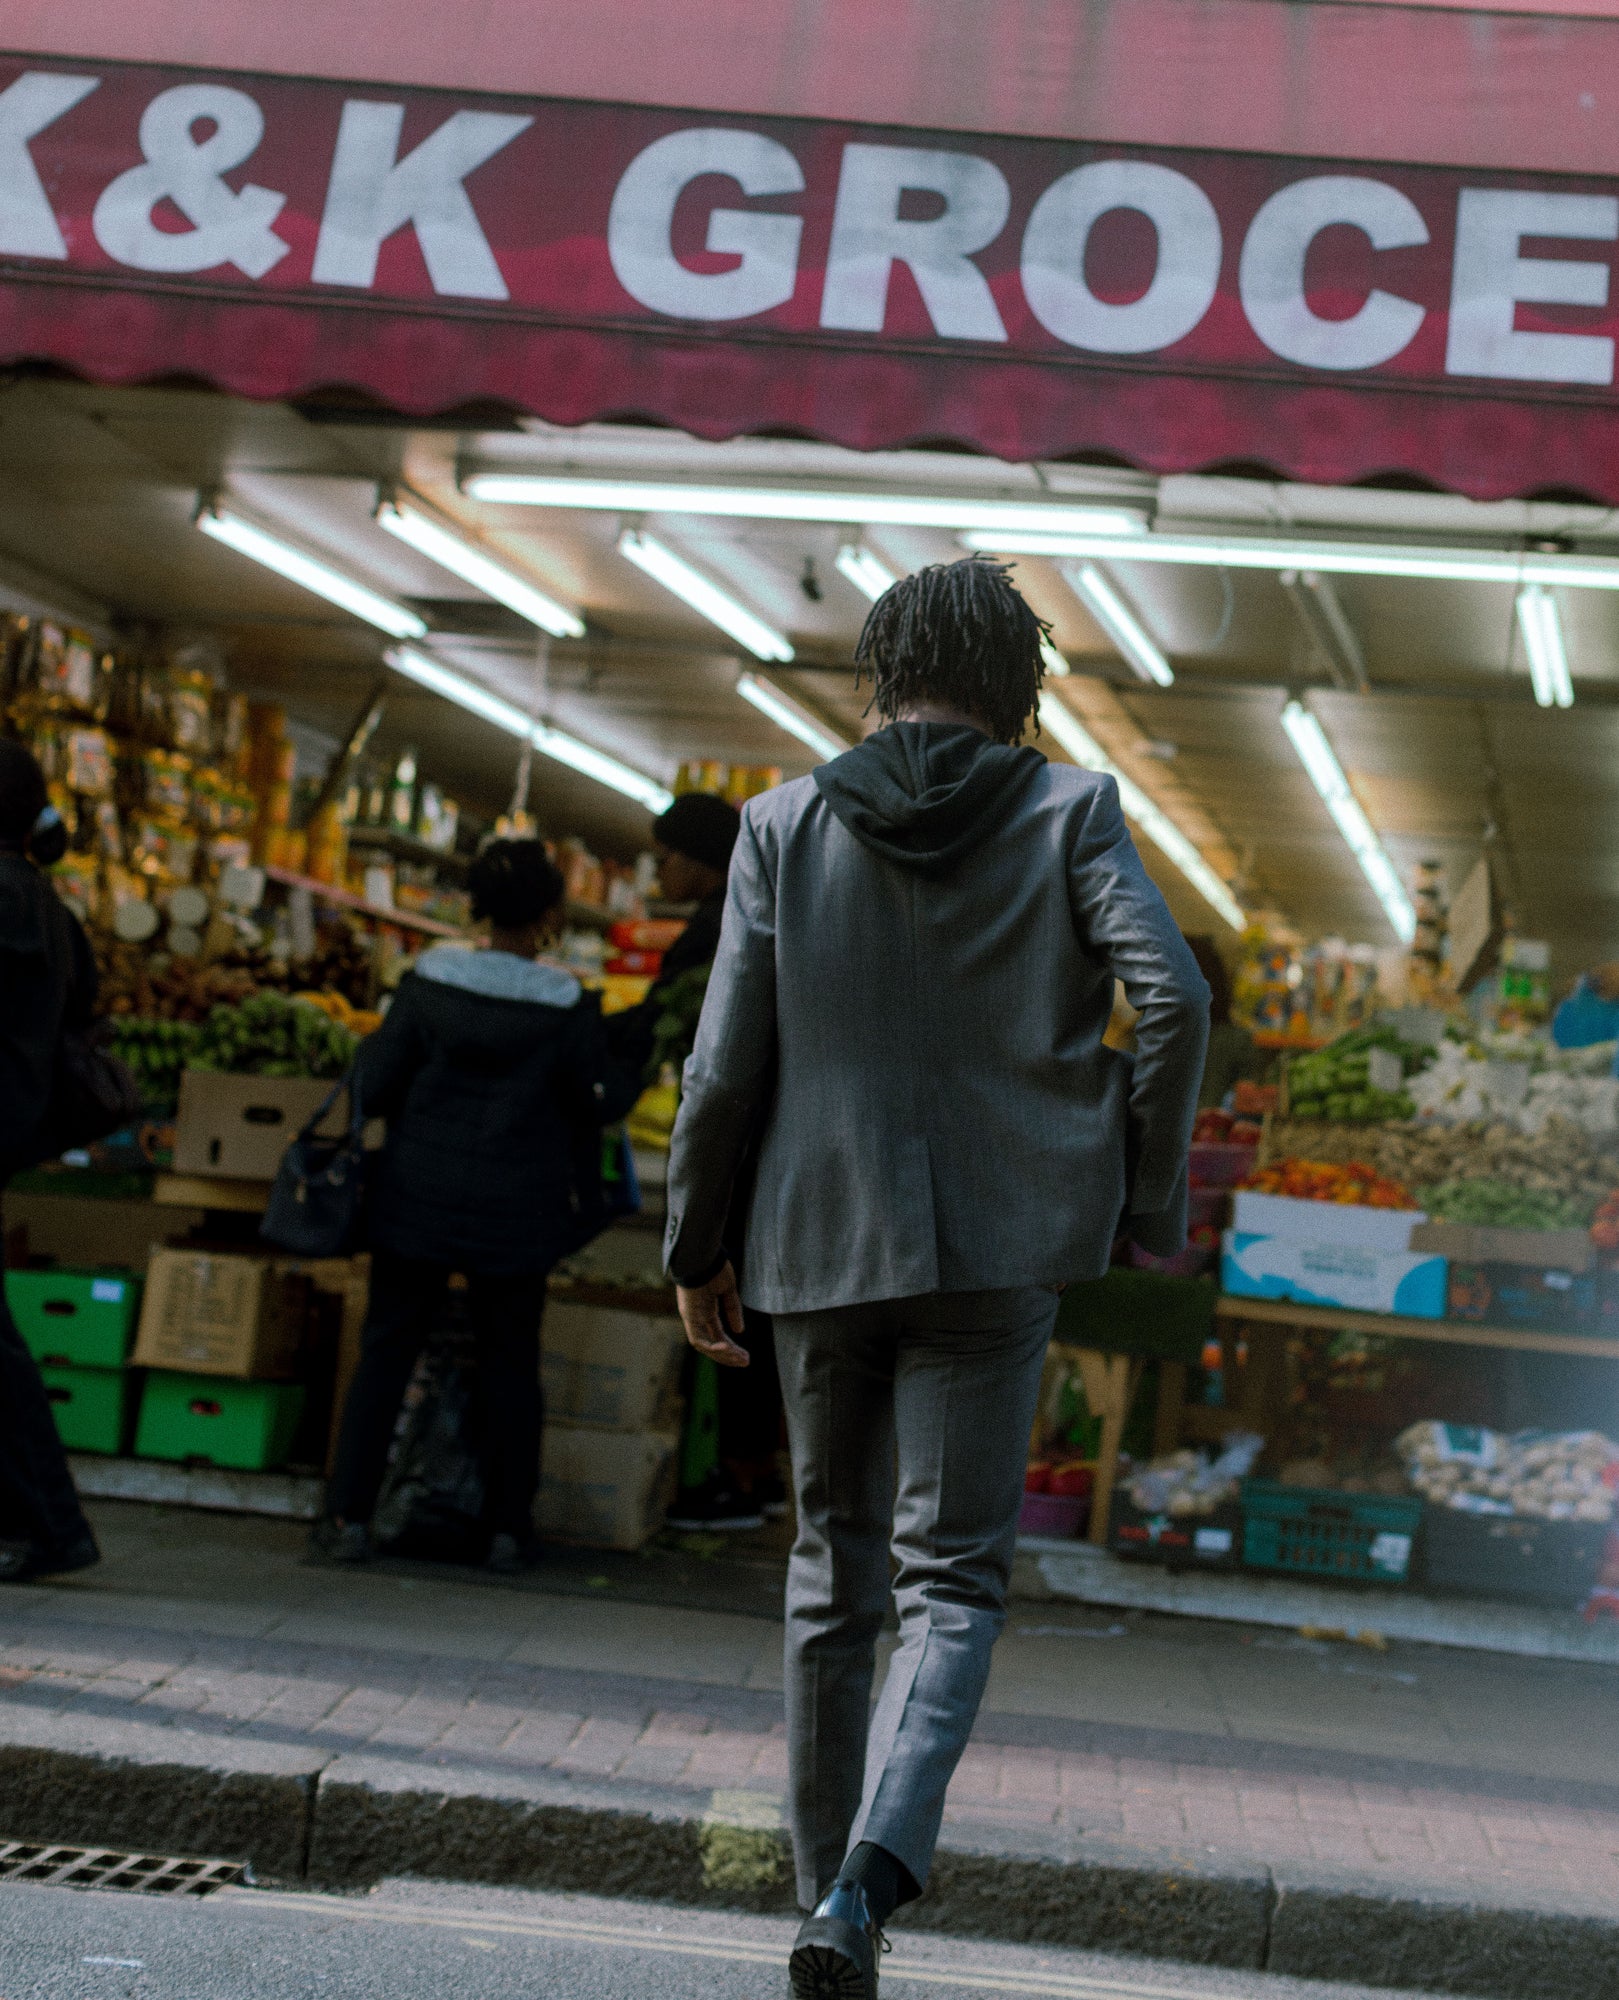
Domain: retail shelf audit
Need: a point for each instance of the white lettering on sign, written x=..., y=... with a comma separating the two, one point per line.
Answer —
x=28, y=225
x=372, y=193
x=1490, y=278
x=1185, y=277
x=869, y=237
x=641, y=221
x=1270, y=275
x=227, y=227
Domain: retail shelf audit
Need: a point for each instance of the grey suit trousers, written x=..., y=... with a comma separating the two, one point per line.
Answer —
x=909, y=1423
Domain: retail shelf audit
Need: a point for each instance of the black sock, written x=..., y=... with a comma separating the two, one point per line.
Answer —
x=886, y=1881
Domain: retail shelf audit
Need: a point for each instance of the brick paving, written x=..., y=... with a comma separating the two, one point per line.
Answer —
x=1040, y=1783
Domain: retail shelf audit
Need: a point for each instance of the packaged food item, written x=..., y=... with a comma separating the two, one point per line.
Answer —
x=87, y=763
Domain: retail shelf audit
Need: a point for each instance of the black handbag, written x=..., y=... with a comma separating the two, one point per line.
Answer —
x=317, y=1200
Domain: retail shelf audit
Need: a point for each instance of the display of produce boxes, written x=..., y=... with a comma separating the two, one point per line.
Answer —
x=90, y=1405
x=1535, y=1249
x=1514, y=1295
x=1179, y=1541
x=1333, y=1274
x=76, y=1319
x=611, y=1370
x=1318, y=1531
x=243, y=1426
x=607, y=1488
x=1346, y=1223
x=220, y=1313
x=1505, y=1555
x=237, y=1127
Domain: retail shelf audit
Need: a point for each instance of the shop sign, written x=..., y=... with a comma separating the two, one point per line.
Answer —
x=1029, y=297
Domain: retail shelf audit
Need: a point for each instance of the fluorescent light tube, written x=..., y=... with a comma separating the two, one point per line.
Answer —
x=1317, y=756
x=430, y=673
x=799, y=503
x=1543, y=641
x=1456, y=565
x=790, y=715
x=869, y=574
x=310, y=574
x=1159, y=828
x=1056, y=665
x=1119, y=622
x=677, y=575
x=474, y=565
x=1326, y=624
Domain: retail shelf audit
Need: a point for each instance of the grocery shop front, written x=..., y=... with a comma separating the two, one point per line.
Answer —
x=386, y=413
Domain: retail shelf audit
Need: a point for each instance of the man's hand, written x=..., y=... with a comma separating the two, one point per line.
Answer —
x=712, y=1313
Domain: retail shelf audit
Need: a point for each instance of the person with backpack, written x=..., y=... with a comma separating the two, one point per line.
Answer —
x=905, y=1028
x=47, y=990
x=493, y=1074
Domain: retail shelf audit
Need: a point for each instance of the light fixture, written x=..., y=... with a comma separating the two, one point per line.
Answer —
x=1318, y=757
x=1543, y=641
x=1055, y=664
x=432, y=674
x=1119, y=622
x=869, y=574
x=1264, y=552
x=305, y=570
x=676, y=574
x=790, y=715
x=800, y=503
x=463, y=558
x=1327, y=626
x=1159, y=828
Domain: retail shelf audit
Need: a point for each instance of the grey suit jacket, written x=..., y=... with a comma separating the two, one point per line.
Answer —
x=919, y=1059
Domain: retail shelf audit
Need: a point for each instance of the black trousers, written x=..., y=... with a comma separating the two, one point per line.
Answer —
x=38, y=1503
x=406, y=1299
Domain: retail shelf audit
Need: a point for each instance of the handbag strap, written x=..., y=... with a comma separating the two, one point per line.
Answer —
x=346, y=1082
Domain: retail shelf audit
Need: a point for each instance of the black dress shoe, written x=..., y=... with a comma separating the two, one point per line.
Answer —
x=835, y=1957
x=21, y=1562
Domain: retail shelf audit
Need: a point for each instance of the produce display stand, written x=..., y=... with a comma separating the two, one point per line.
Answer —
x=1396, y=1326
x=345, y=899
x=200, y=1191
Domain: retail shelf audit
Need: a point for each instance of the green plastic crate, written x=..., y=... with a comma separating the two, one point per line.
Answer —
x=90, y=1405
x=1315, y=1531
x=76, y=1319
x=244, y=1426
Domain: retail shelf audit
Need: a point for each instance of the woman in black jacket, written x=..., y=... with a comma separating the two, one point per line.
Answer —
x=47, y=984
x=493, y=1074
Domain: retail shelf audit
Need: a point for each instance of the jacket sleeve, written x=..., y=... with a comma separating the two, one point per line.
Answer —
x=729, y=1073
x=390, y=1056
x=1124, y=920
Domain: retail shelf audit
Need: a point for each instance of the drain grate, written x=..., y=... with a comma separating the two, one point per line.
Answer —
x=102, y=1868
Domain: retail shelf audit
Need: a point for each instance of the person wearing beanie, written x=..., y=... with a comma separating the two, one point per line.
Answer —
x=47, y=986
x=693, y=842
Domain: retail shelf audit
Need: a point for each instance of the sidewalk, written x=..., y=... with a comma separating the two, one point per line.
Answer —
x=1216, y=1793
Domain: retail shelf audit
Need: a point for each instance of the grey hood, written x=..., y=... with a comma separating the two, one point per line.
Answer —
x=925, y=794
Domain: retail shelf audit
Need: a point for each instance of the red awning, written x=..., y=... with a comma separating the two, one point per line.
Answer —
x=1178, y=307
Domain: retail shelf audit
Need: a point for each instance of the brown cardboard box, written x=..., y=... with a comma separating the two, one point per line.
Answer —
x=1537, y=1249
x=606, y=1488
x=222, y=1314
x=70, y=1229
x=237, y=1127
x=611, y=1370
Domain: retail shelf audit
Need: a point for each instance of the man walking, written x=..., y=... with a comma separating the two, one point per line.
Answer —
x=905, y=1018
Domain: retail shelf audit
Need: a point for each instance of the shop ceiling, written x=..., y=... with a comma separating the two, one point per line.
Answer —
x=1445, y=748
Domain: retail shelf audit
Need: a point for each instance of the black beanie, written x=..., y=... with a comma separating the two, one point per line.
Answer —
x=701, y=827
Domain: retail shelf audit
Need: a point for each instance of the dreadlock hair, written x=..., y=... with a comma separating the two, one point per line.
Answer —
x=959, y=633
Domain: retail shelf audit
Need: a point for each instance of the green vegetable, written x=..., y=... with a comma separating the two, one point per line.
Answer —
x=270, y=1035
x=1497, y=1204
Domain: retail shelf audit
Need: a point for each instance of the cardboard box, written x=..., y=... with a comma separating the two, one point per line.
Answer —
x=237, y=1127
x=1324, y=1221
x=609, y=1489
x=222, y=1314
x=76, y=1319
x=1515, y=1295
x=90, y=1405
x=1333, y=1274
x=609, y=1370
x=80, y=1234
x=245, y=1426
x=1536, y=1249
